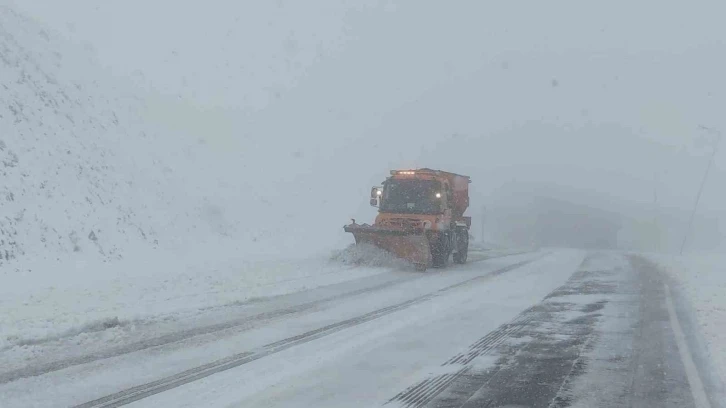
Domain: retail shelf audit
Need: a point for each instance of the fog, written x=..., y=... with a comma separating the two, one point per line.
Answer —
x=578, y=112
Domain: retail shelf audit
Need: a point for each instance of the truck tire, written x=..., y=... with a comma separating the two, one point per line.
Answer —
x=440, y=251
x=462, y=250
x=439, y=259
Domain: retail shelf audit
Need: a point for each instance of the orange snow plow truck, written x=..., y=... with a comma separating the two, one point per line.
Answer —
x=420, y=217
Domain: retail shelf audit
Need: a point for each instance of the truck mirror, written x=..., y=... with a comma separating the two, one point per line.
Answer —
x=376, y=195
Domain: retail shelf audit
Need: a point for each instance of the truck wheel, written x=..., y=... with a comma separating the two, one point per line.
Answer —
x=440, y=252
x=462, y=252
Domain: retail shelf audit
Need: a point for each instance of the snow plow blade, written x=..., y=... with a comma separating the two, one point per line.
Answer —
x=410, y=245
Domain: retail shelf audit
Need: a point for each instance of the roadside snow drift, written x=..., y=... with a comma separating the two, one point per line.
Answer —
x=701, y=277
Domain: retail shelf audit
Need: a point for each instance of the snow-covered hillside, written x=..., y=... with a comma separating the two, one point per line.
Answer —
x=109, y=204
x=81, y=172
x=95, y=169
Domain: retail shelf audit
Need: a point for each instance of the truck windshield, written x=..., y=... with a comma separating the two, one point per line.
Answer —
x=411, y=197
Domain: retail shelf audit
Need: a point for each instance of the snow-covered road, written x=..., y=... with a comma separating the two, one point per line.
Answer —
x=544, y=329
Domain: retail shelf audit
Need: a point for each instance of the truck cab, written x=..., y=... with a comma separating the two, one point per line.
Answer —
x=424, y=203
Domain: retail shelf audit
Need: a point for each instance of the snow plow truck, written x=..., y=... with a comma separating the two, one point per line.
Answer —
x=420, y=217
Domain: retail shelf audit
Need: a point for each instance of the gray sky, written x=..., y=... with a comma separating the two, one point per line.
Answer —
x=605, y=96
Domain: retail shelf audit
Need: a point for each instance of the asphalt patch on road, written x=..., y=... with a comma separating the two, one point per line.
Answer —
x=603, y=339
x=538, y=354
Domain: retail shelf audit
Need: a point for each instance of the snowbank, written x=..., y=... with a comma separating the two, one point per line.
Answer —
x=702, y=279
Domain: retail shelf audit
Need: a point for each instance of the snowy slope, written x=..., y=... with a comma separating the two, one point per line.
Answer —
x=97, y=168
x=81, y=173
x=111, y=210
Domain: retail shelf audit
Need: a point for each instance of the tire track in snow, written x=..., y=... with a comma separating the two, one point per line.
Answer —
x=40, y=369
x=184, y=335
x=424, y=392
x=142, y=391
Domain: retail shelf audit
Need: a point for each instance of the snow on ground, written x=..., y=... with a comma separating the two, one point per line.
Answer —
x=459, y=310
x=131, y=293
x=702, y=279
x=115, y=302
